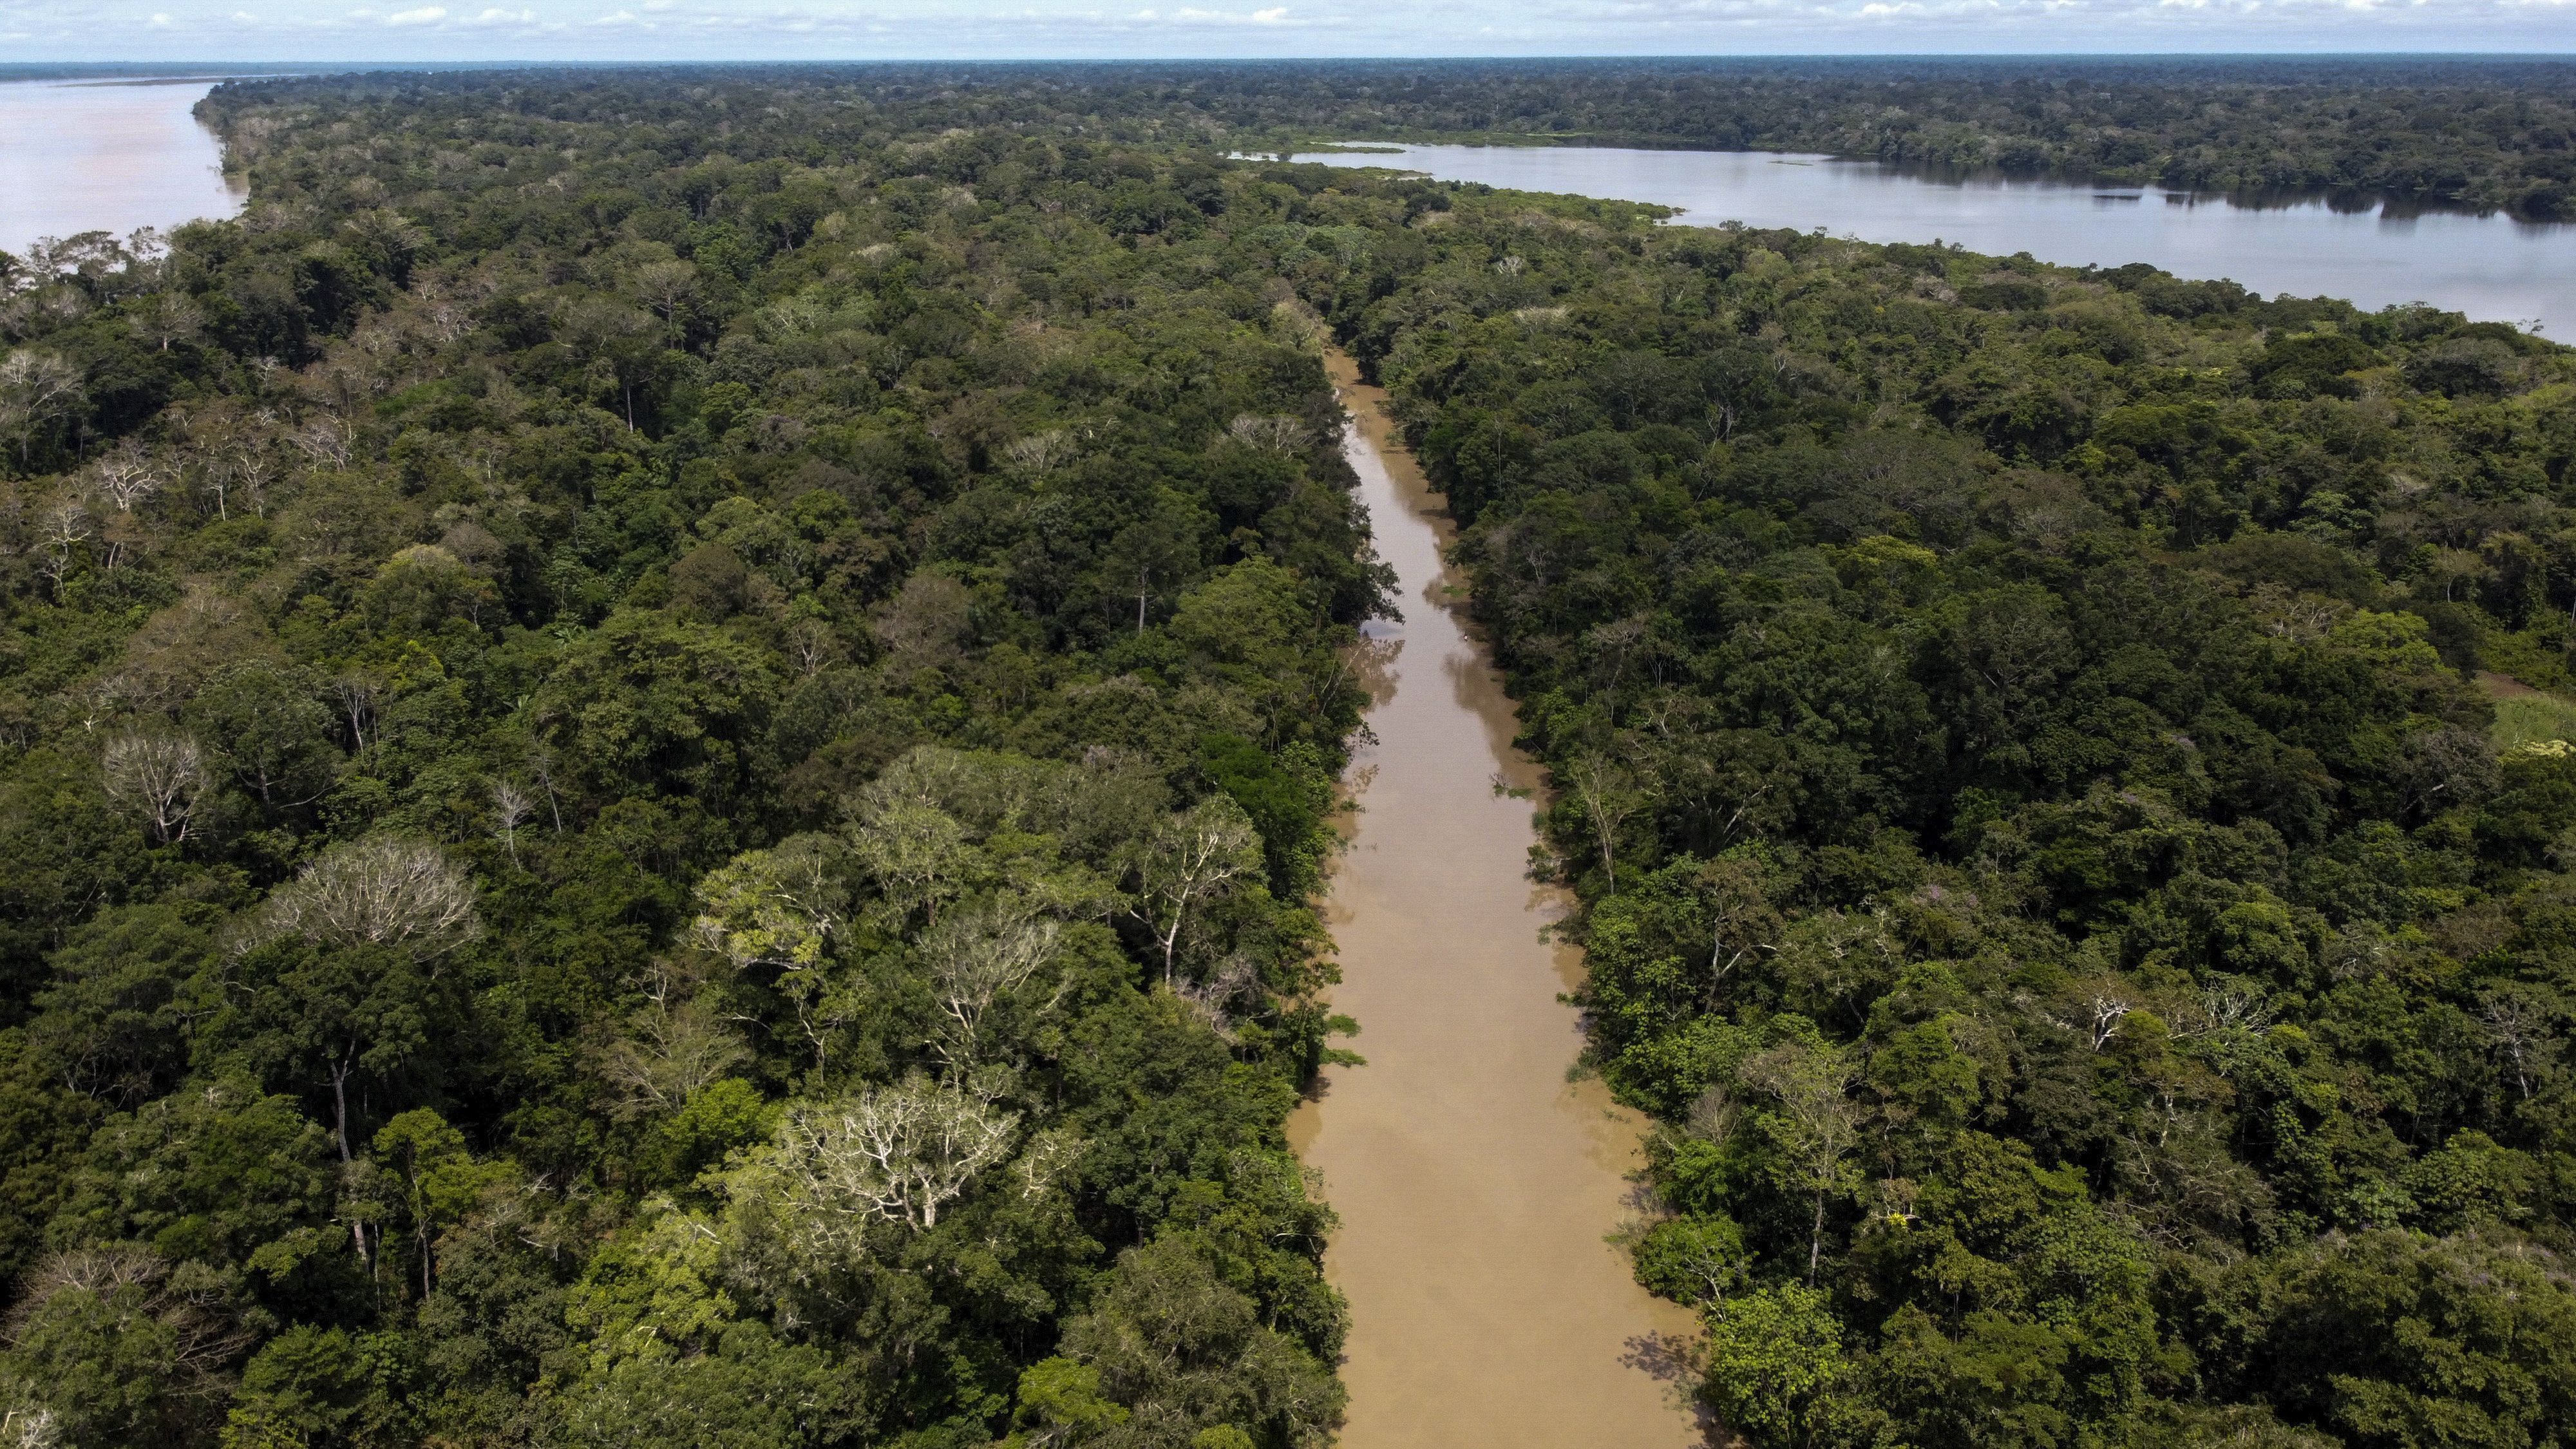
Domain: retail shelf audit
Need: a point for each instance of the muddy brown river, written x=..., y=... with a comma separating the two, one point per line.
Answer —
x=1475, y=1183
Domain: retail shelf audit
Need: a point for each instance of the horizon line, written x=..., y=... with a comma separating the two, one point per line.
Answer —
x=212, y=67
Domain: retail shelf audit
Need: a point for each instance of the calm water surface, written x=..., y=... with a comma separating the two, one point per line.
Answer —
x=92, y=156
x=1475, y=1184
x=2491, y=267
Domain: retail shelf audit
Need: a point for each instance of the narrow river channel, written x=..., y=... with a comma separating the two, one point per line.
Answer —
x=1475, y=1184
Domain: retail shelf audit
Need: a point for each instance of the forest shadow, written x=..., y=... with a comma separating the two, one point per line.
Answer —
x=1678, y=1362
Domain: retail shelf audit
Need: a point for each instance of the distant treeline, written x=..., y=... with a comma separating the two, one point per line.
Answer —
x=2482, y=132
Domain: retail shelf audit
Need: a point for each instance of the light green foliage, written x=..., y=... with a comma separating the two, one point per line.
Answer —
x=2531, y=719
x=1773, y=1355
x=776, y=908
x=1058, y=1393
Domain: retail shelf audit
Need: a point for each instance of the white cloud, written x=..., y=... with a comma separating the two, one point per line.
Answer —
x=827, y=30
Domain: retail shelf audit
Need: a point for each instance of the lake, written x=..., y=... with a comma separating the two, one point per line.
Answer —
x=2490, y=267
x=81, y=156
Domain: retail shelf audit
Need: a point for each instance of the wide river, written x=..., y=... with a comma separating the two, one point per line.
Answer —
x=1476, y=1184
x=110, y=156
x=2492, y=268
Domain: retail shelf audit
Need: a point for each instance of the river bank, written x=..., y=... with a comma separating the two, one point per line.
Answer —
x=1476, y=1184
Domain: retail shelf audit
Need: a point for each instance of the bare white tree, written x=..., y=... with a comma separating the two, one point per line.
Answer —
x=2094, y=1010
x=812, y=644
x=159, y=776
x=169, y=317
x=325, y=442
x=898, y=1153
x=357, y=696
x=253, y=466
x=35, y=388
x=541, y=768
x=1271, y=435
x=127, y=477
x=1818, y=1122
x=1215, y=999
x=1049, y=1155
x=2227, y=1007
x=667, y=287
x=59, y=536
x=1191, y=860
x=380, y=891
x=2518, y=1021
x=26, y=1425
x=976, y=958
x=1039, y=454
x=511, y=808
x=1608, y=798
x=670, y=1049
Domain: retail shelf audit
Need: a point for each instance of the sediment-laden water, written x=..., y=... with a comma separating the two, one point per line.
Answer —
x=109, y=156
x=1476, y=1184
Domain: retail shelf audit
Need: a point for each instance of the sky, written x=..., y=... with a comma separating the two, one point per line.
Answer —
x=814, y=30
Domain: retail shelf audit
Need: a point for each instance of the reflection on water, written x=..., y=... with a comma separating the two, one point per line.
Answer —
x=2338, y=245
x=105, y=156
x=1475, y=1184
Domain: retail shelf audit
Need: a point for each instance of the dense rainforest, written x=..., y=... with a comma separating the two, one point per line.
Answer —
x=665, y=740
x=654, y=794
x=2074, y=815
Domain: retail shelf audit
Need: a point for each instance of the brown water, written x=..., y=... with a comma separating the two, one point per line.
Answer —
x=1474, y=1182
x=108, y=156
